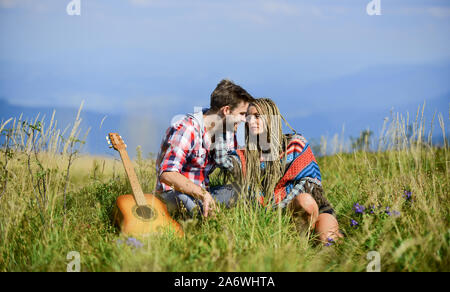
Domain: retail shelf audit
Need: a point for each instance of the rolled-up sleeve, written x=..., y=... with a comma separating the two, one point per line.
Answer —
x=176, y=148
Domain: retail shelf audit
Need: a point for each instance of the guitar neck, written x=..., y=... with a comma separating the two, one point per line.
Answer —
x=135, y=186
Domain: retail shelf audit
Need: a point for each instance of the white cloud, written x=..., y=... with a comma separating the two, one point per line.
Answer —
x=258, y=12
x=36, y=6
x=143, y=2
x=278, y=7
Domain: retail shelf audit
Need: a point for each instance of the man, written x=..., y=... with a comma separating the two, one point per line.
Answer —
x=186, y=156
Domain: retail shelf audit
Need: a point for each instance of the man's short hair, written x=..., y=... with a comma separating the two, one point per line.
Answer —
x=228, y=93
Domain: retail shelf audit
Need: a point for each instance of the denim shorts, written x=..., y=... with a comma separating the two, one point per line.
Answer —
x=176, y=202
x=316, y=192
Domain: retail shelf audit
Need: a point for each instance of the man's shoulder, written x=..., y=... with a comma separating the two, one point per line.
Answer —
x=185, y=122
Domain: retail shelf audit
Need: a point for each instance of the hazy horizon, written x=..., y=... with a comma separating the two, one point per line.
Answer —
x=327, y=64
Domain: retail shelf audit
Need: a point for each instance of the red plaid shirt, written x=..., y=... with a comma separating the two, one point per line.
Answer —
x=186, y=149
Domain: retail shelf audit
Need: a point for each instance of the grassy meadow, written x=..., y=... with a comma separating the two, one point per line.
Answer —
x=54, y=200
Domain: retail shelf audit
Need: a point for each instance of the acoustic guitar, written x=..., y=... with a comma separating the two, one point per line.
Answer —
x=139, y=213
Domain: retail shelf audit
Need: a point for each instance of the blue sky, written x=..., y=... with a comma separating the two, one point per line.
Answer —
x=163, y=57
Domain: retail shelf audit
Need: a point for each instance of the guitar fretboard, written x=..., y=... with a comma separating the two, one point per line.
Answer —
x=134, y=182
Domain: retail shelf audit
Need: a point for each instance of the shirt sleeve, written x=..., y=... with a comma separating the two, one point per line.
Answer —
x=224, y=158
x=177, y=145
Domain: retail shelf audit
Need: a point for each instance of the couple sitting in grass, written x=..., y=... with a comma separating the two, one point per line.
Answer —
x=274, y=170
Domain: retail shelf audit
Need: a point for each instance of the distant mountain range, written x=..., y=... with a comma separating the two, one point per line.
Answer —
x=362, y=100
x=95, y=143
x=359, y=101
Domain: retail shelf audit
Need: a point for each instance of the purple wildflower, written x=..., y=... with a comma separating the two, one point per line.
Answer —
x=359, y=209
x=330, y=241
x=396, y=213
x=408, y=196
x=131, y=241
x=353, y=223
x=387, y=211
x=372, y=209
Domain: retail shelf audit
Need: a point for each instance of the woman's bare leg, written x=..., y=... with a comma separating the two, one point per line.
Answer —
x=305, y=205
x=325, y=224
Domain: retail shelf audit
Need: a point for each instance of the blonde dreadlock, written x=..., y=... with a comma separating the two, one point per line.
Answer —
x=257, y=180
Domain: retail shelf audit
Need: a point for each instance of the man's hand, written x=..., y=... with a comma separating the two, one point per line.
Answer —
x=209, y=205
x=182, y=184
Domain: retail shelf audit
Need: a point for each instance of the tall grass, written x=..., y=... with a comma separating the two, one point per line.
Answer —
x=52, y=203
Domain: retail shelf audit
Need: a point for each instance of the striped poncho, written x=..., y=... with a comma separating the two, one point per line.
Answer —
x=300, y=167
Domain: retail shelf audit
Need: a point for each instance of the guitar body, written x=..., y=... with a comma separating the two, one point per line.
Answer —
x=139, y=213
x=144, y=220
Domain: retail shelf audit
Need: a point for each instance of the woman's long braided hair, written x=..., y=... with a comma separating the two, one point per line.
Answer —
x=268, y=147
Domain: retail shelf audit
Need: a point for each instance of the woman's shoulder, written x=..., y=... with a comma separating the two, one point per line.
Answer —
x=296, y=138
x=296, y=144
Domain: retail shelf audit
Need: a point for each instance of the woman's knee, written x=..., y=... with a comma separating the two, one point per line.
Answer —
x=306, y=203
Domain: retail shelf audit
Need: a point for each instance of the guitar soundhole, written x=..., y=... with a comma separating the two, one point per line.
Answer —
x=145, y=212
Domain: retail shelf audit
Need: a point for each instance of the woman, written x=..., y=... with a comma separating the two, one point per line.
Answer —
x=281, y=169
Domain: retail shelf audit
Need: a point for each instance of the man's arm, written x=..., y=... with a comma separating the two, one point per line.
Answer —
x=183, y=185
x=178, y=144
